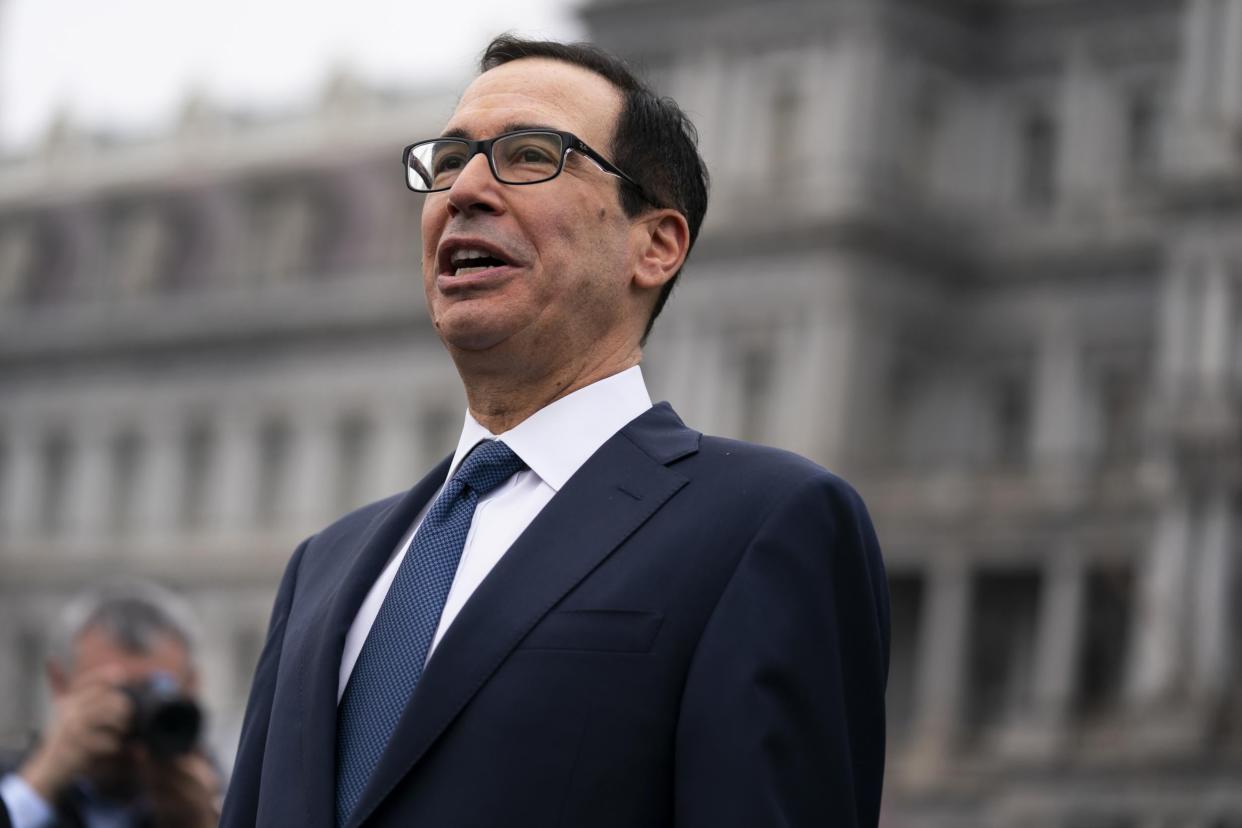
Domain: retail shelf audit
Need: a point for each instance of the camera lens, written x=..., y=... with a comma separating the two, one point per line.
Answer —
x=166, y=721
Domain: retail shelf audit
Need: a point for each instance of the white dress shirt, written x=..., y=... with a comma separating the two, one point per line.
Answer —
x=27, y=809
x=554, y=442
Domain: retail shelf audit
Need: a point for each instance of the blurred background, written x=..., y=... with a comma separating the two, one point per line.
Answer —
x=979, y=256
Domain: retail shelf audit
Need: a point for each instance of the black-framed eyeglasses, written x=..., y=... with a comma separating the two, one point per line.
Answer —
x=524, y=156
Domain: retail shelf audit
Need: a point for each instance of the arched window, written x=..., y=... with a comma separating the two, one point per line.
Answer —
x=1107, y=611
x=1004, y=613
x=1038, y=148
x=56, y=457
x=126, y=451
x=1011, y=399
x=275, y=456
x=353, y=451
x=1142, y=136
x=197, y=455
x=18, y=250
x=439, y=426
x=787, y=109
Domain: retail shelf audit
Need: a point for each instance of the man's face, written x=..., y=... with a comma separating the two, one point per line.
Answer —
x=117, y=776
x=95, y=648
x=568, y=247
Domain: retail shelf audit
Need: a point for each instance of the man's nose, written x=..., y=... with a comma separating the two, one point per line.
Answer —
x=475, y=188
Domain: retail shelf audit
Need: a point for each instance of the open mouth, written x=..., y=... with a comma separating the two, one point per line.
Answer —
x=469, y=260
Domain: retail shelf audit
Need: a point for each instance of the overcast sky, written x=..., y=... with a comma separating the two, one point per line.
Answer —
x=128, y=64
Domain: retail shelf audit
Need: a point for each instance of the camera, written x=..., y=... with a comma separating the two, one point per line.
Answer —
x=166, y=721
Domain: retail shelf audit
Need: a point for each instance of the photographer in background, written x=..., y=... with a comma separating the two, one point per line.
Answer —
x=121, y=748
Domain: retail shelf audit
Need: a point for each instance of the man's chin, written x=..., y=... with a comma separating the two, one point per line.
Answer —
x=472, y=336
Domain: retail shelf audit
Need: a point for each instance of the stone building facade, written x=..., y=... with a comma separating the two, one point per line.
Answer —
x=979, y=256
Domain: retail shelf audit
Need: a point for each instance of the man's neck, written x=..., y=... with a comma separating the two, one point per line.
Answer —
x=500, y=401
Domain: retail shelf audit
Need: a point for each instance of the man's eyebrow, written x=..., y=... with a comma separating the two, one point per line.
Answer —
x=511, y=126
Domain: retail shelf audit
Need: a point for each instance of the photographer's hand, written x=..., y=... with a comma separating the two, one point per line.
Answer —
x=183, y=791
x=89, y=720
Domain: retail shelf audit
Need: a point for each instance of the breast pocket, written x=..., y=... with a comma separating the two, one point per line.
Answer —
x=604, y=631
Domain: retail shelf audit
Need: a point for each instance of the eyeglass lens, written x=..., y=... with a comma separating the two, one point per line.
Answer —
x=520, y=158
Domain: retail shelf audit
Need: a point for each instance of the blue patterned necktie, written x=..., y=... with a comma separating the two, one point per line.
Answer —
x=395, y=650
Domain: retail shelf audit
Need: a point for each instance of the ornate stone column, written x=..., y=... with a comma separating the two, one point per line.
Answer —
x=839, y=345
x=20, y=486
x=1057, y=641
x=231, y=494
x=1157, y=661
x=800, y=346
x=1217, y=337
x=397, y=461
x=1209, y=89
x=678, y=371
x=1085, y=122
x=941, y=667
x=1176, y=326
x=1213, y=589
x=1058, y=428
x=708, y=401
x=312, y=468
x=87, y=484
x=161, y=481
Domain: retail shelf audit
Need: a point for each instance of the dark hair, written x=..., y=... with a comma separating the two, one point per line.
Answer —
x=654, y=142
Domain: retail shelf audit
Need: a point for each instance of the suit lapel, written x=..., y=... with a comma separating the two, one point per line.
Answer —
x=318, y=662
x=623, y=484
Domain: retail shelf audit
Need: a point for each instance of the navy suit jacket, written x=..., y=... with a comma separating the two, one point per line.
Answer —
x=692, y=633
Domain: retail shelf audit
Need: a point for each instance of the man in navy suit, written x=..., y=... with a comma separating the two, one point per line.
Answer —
x=589, y=615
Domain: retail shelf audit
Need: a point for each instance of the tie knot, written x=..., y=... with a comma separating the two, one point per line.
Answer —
x=488, y=464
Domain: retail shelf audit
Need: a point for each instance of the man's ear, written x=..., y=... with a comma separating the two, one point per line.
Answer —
x=663, y=245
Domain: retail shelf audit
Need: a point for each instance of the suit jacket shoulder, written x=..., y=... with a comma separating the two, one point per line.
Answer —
x=692, y=633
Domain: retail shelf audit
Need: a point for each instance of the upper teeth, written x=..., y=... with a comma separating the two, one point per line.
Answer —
x=470, y=253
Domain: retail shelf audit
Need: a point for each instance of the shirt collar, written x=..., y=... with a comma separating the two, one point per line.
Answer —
x=557, y=439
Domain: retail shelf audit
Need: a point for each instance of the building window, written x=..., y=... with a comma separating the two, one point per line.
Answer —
x=31, y=655
x=49, y=269
x=282, y=231
x=755, y=367
x=56, y=455
x=1235, y=619
x=1142, y=130
x=6, y=472
x=1004, y=612
x=17, y=257
x=787, y=105
x=353, y=449
x=247, y=647
x=188, y=248
x=197, y=455
x=295, y=230
x=439, y=428
x=126, y=461
x=906, y=598
x=1038, y=157
x=1120, y=403
x=926, y=124
x=1107, y=610
x=138, y=246
x=1215, y=27
x=1012, y=418
x=275, y=450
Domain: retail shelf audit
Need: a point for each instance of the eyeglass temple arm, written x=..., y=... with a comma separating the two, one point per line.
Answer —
x=611, y=169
